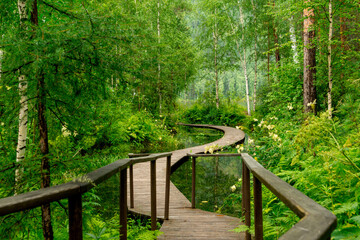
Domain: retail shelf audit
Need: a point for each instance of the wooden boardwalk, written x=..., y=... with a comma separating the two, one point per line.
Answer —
x=184, y=222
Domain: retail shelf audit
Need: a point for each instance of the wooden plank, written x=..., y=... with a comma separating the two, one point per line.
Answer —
x=184, y=222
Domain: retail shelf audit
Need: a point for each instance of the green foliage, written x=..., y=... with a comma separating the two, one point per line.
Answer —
x=229, y=115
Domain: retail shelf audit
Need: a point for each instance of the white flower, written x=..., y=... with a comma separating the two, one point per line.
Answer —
x=250, y=141
x=270, y=127
x=290, y=107
x=65, y=131
x=255, y=120
x=233, y=188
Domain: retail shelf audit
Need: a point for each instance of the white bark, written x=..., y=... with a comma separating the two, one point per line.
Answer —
x=244, y=61
x=293, y=40
x=255, y=54
x=23, y=112
x=159, y=66
x=329, y=60
x=215, y=37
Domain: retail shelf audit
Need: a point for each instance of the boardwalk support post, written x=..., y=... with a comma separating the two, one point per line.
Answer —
x=167, y=188
x=193, y=191
x=123, y=204
x=258, y=218
x=246, y=198
x=153, y=194
x=75, y=217
x=131, y=173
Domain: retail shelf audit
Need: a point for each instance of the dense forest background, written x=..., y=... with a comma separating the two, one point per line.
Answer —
x=83, y=83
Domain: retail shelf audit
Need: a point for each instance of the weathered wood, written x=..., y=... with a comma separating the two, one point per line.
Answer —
x=184, y=222
x=123, y=204
x=258, y=218
x=167, y=188
x=193, y=181
x=75, y=217
x=316, y=221
x=246, y=199
x=215, y=155
x=153, y=194
x=131, y=174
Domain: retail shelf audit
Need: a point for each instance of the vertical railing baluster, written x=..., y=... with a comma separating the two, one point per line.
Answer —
x=193, y=192
x=258, y=218
x=75, y=217
x=131, y=173
x=123, y=204
x=153, y=194
x=246, y=198
x=167, y=187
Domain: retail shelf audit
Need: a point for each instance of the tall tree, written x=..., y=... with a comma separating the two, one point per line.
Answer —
x=244, y=63
x=23, y=85
x=215, y=39
x=330, y=80
x=309, y=90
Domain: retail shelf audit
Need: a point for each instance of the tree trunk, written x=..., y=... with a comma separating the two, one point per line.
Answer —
x=23, y=112
x=244, y=61
x=215, y=38
x=255, y=54
x=329, y=60
x=268, y=53
x=293, y=40
x=45, y=165
x=309, y=90
x=159, y=66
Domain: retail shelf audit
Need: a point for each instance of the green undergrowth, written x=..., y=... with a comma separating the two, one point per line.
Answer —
x=318, y=156
x=227, y=114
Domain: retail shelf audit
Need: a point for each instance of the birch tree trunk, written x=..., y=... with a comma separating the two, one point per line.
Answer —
x=329, y=60
x=244, y=61
x=159, y=66
x=255, y=54
x=309, y=90
x=23, y=112
x=293, y=40
x=215, y=38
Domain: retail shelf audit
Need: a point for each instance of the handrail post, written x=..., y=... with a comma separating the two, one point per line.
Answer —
x=131, y=173
x=167, y=188
x=75, y=217
x=193, y=192
x=246, y=198
x=258, y=218
x=123, y=204
x=153, y=194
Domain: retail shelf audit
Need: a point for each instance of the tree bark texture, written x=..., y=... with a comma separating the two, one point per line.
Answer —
x=244, y=61
x=309, y=90
x=330, y=80
x=159, y=66
x=23, y=112
x=45, y=164
x=255, y=54
x=293, y=40
x=215, y=38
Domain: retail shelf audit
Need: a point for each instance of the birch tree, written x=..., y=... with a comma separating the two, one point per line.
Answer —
x=23, y=112
x=309, y=91
x=244, y=60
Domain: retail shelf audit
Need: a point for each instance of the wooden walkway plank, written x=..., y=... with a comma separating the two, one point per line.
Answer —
x=184, y=222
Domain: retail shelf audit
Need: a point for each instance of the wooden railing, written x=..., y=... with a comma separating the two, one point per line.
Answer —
x=316, y=221
x=73, y=192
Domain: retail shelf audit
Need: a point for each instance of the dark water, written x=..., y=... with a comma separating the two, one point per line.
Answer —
x=215, y=176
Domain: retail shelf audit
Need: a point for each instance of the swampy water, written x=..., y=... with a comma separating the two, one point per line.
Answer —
x=217, y=178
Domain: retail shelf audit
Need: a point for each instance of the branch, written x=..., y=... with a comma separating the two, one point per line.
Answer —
x=18, y=68
x=59, y=10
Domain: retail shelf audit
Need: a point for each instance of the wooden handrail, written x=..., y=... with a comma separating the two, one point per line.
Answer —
x=317, y=223
x=73, y=191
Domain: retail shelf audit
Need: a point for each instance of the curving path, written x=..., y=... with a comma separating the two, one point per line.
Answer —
x=184, y=222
